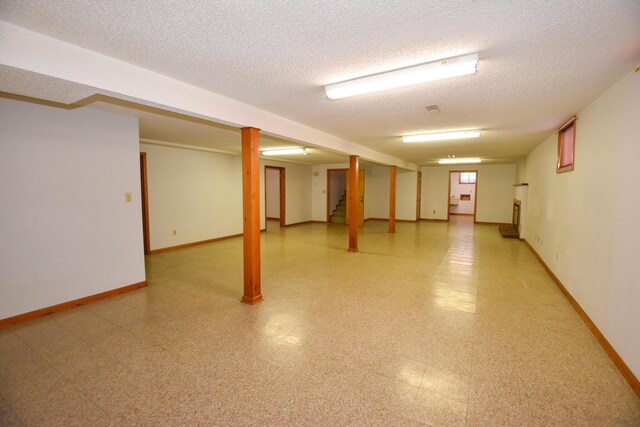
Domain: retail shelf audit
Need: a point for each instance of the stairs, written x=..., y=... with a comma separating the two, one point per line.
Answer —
x=339, y=215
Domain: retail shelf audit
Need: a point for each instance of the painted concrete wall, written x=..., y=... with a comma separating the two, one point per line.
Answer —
x=584, y=223
x=464, y=206
x=494, y=191
x=66, y=230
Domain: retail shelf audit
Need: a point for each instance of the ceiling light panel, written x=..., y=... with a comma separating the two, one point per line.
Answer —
x=284, y=151
x=452, y=67
x=441, y=136
x=459, y=161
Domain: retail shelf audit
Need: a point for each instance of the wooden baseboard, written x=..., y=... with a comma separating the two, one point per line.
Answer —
x=69, y=304
x=433, y=220
x=377, y=219
x=273, y=218
x=492, y=223
x=299, y=223
x=462, y=214
x=613, y=354
x=201, y=242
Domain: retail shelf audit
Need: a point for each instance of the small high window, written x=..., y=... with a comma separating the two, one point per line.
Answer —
x=566, y=146
x=467, y=178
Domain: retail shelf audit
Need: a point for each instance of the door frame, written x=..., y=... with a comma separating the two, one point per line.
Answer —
x=475, y=199
x=346, y=170
x=144, y=197
x=282, y=190
x=419, y=196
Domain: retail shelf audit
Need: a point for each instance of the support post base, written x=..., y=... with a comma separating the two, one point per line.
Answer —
x=251, y=300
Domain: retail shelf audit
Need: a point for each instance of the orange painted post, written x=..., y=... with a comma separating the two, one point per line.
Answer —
x=251, y=215
x=392, y=199
x=353, y=204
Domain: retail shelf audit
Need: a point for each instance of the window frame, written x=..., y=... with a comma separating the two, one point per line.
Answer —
x=570, y=167
x=475, y=177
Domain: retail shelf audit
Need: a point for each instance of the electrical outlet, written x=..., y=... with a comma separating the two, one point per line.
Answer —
x=174, y=232
x=434, y=211
x=557, y=256
x=127, y=197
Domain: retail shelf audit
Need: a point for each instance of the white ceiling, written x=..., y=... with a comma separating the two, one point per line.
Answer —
x=540, y=61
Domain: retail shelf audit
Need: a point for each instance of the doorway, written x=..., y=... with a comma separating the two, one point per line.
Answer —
x=337, y=196
x=144, y=196
x=463, y=193
x=274, y=194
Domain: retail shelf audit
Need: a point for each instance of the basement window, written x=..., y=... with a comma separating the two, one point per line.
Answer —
x=566, y=146
x=467, y=178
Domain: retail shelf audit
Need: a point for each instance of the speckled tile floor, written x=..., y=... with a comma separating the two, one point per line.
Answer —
x=439, y=324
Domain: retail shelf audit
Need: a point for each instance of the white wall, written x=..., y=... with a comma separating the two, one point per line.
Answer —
x=464, y=206
x=337, y=188
x=197, y=193
x=272, y=185
x=379, y=199
x=584, y=223
x=66, y=231
x=494, y=191
x=298, y=195
x=406, y=194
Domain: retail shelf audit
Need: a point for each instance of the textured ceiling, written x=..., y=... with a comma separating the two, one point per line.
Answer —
x=540, y=61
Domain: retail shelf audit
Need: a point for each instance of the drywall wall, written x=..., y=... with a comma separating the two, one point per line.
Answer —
x=297, y=191
x=463, y=206
x=379, y=200
x=272, y=195
x=406, y=193
x=494, y=191
x=196, y=193
x=66, y=230
x=580, y=222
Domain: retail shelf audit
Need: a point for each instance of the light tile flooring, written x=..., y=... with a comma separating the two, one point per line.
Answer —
x=439, y=324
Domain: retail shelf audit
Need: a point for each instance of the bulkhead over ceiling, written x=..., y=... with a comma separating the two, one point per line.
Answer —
x=540, y=61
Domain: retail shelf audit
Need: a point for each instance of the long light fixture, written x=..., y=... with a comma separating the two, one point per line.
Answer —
x=452, y=67
x=455, y=161
x=442, y=136
x=284, y=151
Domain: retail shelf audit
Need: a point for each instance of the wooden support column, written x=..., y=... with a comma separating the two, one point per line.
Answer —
x=392, y=199
x=353, y=203
x=251, y=215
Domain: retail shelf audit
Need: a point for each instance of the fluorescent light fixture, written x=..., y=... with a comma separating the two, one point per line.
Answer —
x=458, y=161
x=284, y=151
x=458, y=66
x=441, y=136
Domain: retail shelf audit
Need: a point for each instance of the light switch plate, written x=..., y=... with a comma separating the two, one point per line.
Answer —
x=127, y=197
